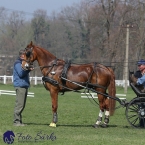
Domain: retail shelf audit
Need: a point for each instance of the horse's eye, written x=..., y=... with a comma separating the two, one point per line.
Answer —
x=28, y=54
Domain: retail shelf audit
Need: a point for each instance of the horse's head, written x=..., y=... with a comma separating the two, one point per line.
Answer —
x=27, y=63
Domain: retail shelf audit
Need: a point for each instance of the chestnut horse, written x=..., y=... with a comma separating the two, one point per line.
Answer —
x=59, y=76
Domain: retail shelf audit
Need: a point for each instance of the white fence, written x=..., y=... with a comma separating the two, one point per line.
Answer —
x=94, y=95
x=38, y=80
x=9, y=79
x=7, y=92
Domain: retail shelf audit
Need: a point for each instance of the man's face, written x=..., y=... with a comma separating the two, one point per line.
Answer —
x=141, y=67
x=22, y=56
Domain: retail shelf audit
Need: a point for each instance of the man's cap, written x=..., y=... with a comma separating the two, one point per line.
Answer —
x=21, y=52
x=140, y=62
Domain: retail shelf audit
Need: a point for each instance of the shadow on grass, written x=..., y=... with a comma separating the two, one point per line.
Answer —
x=109, y=126
x=70, y=125
x=37, y=124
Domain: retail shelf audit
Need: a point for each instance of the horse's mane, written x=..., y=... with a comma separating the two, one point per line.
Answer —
x=45, y=52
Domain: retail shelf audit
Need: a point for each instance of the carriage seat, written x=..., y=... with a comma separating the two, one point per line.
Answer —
x=137, y=91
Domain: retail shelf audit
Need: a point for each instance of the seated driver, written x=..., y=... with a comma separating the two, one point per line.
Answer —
x=140, y=74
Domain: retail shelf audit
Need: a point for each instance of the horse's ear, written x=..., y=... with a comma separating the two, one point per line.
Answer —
x=31, y=43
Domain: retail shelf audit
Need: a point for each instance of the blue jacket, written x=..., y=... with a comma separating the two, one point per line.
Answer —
x=20, y=76
x=141, y=81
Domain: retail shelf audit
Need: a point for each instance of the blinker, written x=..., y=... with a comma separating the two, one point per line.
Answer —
x=28, y=54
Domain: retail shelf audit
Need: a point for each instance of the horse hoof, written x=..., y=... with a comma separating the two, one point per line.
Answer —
x=104, y=125
x=52, y=124
x=95, y=125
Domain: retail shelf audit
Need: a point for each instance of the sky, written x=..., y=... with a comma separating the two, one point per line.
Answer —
x=29, y=6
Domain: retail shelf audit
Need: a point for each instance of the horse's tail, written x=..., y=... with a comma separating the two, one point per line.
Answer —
x=112, y=92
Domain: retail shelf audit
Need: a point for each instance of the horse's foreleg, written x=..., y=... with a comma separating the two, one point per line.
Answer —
x=54, y=99
x=55, y=118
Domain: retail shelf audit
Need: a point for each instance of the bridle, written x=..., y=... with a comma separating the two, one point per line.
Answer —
x=29, y=54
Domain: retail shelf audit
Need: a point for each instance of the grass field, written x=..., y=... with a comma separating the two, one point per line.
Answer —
x=75, y=117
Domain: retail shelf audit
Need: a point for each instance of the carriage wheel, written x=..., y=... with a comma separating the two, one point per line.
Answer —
x=135, y=112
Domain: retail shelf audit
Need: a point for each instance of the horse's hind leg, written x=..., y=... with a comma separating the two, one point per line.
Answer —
x=106, y=119
x=101, y=104
x=99, y=120
x=104, y=106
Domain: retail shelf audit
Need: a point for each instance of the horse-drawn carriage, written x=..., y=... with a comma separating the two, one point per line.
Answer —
x=135, y=109
x=59, y=76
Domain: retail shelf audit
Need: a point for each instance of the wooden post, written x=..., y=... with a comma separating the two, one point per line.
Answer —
x=126, y=59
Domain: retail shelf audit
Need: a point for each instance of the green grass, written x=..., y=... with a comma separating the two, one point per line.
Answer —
x=75, y=117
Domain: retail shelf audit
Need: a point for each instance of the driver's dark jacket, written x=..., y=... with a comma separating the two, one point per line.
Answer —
x=138, y=74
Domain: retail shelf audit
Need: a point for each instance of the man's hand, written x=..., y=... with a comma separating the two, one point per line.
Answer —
x=30, y=67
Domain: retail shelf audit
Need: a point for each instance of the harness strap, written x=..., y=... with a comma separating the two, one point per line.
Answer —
x=64, y=71
x=88, y=82
x=52, y=66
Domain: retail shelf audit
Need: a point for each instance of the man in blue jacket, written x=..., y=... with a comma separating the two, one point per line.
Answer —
x=140, y=74
x=140, y=80
x=21, y=83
